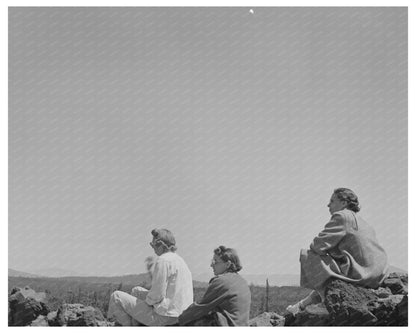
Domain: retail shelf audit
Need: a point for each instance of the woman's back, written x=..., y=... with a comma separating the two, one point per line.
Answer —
x=234, y=310
x=228, y=298
x=364, y=258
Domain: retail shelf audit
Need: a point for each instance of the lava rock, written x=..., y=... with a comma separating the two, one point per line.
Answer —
x=397, y=283
x=348, y=304
x=352, y=305
x=40, y=321
x=81, y=315
x=25, y=305
x=267, y=319
x=308, y=318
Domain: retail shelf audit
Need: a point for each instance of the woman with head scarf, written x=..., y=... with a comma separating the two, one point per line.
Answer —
x=171, y=291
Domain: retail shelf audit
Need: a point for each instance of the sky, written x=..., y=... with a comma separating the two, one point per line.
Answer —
x=226, y=127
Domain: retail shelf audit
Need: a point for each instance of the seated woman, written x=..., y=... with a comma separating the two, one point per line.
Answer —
x=347, y=249
x=228, y=296
x=170, y=293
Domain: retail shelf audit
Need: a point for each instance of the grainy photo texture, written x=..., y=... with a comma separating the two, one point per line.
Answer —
x=208, y=166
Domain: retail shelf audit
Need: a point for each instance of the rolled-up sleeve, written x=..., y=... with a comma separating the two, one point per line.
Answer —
x=332, y=234
x=159, y=283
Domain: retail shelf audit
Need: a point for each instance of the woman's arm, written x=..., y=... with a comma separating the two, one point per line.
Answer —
x=159, y=283
x=214, y=296
x=332, y=234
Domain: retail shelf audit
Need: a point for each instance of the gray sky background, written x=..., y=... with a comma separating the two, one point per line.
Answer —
x=228, y=128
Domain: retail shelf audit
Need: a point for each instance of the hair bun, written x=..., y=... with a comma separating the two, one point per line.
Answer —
x=229, y=255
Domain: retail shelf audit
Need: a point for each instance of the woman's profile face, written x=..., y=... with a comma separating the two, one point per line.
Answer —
x=156, y=247
x=335, y=204
x=218, y=265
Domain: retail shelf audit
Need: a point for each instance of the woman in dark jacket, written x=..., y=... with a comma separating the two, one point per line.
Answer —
x=227, y=299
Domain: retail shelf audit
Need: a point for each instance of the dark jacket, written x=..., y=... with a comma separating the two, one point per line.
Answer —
x=228, y=296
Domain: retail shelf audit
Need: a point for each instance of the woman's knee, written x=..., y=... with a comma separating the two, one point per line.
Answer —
x=139, y=289
x=139, y=292
x=116, y=296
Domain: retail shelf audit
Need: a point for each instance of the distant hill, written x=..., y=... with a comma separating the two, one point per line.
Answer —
x=200, y=281
x=13, y=272
x=274, y=279
x=130, y=279
x=55, y=272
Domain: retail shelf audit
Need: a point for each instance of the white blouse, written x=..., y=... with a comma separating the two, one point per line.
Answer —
x=172, y=291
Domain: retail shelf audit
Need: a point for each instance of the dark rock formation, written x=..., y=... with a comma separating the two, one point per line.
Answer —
x=81, y=315
x=39, y=321
x=76, y=315
x=308, y=317
x=29, y=308
x=344, y=305
x=397, y=283
x=56, y=318
x=267, y=319
x=350, y=305
x=25, y=305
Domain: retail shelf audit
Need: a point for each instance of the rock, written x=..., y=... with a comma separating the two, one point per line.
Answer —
x=383, y=292
x=39, y=321
x=29, y=308
x=386, y=310
x=308, y=317
x=351, y=305
x=56, y=318
x=397, y=283
x=81, y=315
x=402, y=312
x=76, y=315
x=348, y=304
x=25, y=305
x=267, y=319
x=15, y=290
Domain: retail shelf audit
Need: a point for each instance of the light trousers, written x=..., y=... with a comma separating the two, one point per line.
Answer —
x=132, y=310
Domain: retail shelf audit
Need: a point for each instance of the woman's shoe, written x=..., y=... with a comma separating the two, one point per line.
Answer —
x=295, y=308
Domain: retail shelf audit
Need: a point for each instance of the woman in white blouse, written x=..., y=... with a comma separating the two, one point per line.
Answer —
x=170, y=294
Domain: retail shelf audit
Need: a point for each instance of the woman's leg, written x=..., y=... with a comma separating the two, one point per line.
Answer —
x=313, y=298
x=131, y=311
x=116, y=309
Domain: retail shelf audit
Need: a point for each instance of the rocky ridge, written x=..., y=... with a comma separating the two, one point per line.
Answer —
x=349, y=305
x=344, y=305
x=30, y=308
